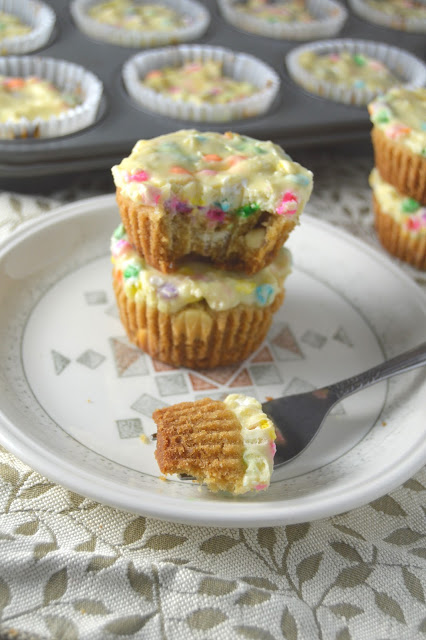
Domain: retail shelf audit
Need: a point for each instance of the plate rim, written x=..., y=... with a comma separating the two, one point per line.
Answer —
x=90, y=484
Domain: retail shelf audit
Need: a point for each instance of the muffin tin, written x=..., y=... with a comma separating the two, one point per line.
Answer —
x=295, y=119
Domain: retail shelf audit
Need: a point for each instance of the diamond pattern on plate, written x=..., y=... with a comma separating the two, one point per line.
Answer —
x=284, y=343
x=162, y=366
x=265, y=374
x=147, y=404
x=129, y=428
x=91, y=359
x=96, y=297
x=112, y=311
x=342, y=336
x=172, y=384
x=221, y=375
x=263, y=355
x=242, y=379
x=198, y=383
x=314, y=339
x=60, y=362
x=129, y=360
x=298, y=385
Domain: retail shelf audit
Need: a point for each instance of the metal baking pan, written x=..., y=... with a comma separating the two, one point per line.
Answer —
x=296, y=119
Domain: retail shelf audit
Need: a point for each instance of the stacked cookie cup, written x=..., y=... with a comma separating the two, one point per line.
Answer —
x=198, y=261
x=398, y=180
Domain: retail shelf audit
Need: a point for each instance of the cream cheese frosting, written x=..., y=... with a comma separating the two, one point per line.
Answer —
x=401, y=115
x=346, y=69
x=199, y=83
x=135, y=16
x=273, y=12
x=231, y=172
x=32, y=98
x=409, y=213
x=12, y=26
x=195, y=281
x=258, y=434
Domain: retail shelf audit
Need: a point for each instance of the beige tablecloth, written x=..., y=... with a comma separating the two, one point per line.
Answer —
x=71, y=568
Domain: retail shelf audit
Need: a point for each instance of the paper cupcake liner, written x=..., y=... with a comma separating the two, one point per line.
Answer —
x=39, y=16
x=240, y=66
x=403, y=169
x=199, y=19
x=196, y=336
x=399, y=242
x=406, y=66
x=66, y=76
x=393, y=22
x=330, y=17
x=146, y=229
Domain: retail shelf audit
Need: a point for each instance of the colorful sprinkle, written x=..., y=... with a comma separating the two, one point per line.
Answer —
x=414, y=224
x=288, y=204
x=131, y=271
x=247, y=209
x=216, y=214
x=264, y=293
x=409, y=205
x=119, y=232
x=138, y=176
x=242, y=286
x=359, y=84
x=179, y=169
x=168, y=291
x=397, y=130
x=359, y=60
x=212, y=157
x=299, y=178
x=121, y=247
x=381, y=116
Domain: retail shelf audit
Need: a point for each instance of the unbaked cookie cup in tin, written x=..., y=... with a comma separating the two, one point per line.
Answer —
x=236, y=65
x=404, y=65
x=195, y=16
x=71, y=79
x=329, y=18
x=38, y=16
x=389, y=18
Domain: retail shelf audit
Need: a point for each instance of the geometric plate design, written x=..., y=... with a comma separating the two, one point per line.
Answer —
x=130, y=428
x=284, y=344
x=314, y=339
x=96, y=297
x=59, y=361
x=91, y=359
x=129, y=360
x=147, y=404
x=341, y=336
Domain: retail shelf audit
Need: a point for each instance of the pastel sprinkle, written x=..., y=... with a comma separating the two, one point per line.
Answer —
x=288, y=205
x=264, y=293
x=216, y=214
x=179, y=169
x=396, y=131
x=155, y=73
x=121, y=247
x=208, y=172
x=119, y=232
x=212, y=157
x=261, y=486
x=247, y=209
x=359, y=60
x=381, y=117
x=273, y=447
x=414, y=224
x=359, y=84
x=168, y=291
x=245, y=287
x=409, y=205
x=299, y=178
x=139, y=176
x=131, y=271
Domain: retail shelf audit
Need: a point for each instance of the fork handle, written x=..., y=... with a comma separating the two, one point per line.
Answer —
x=404, y=362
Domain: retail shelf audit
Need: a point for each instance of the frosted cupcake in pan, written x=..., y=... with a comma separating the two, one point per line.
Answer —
x=45, y=97
x=25, y=25
x=353, y=71
x=399, y=140
x=405, y=15
x=400, y=222
x=133, y=23
x=227, y=445
x=286, y=19
x=201, y=83
x=197, y=317
x=228, y=198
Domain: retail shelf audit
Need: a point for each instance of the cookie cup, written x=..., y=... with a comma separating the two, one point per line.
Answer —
x=244, y=244
x=390, y=20
x=197, y=20
x=328, y=18
x=38, y=16
x=238, y=66
x=65, y=76
x=411, y=70
x=401, y=233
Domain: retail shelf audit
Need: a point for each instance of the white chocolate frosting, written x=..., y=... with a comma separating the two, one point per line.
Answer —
x=195, y=281
x=258, y=434
x=229, y=172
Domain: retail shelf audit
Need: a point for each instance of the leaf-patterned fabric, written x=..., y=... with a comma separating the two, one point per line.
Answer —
x=71, y=568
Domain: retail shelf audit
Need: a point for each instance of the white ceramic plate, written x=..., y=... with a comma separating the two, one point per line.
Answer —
x=75, y=396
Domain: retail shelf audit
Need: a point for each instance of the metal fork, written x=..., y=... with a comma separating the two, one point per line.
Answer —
x=298, y=418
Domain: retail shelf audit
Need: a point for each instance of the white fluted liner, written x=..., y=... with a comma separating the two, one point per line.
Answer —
x=239, y=66
x=38, y=15
x=330, y=17
x=200, y=19
x=405, y=65
x=362, y=8
x=66, y=76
